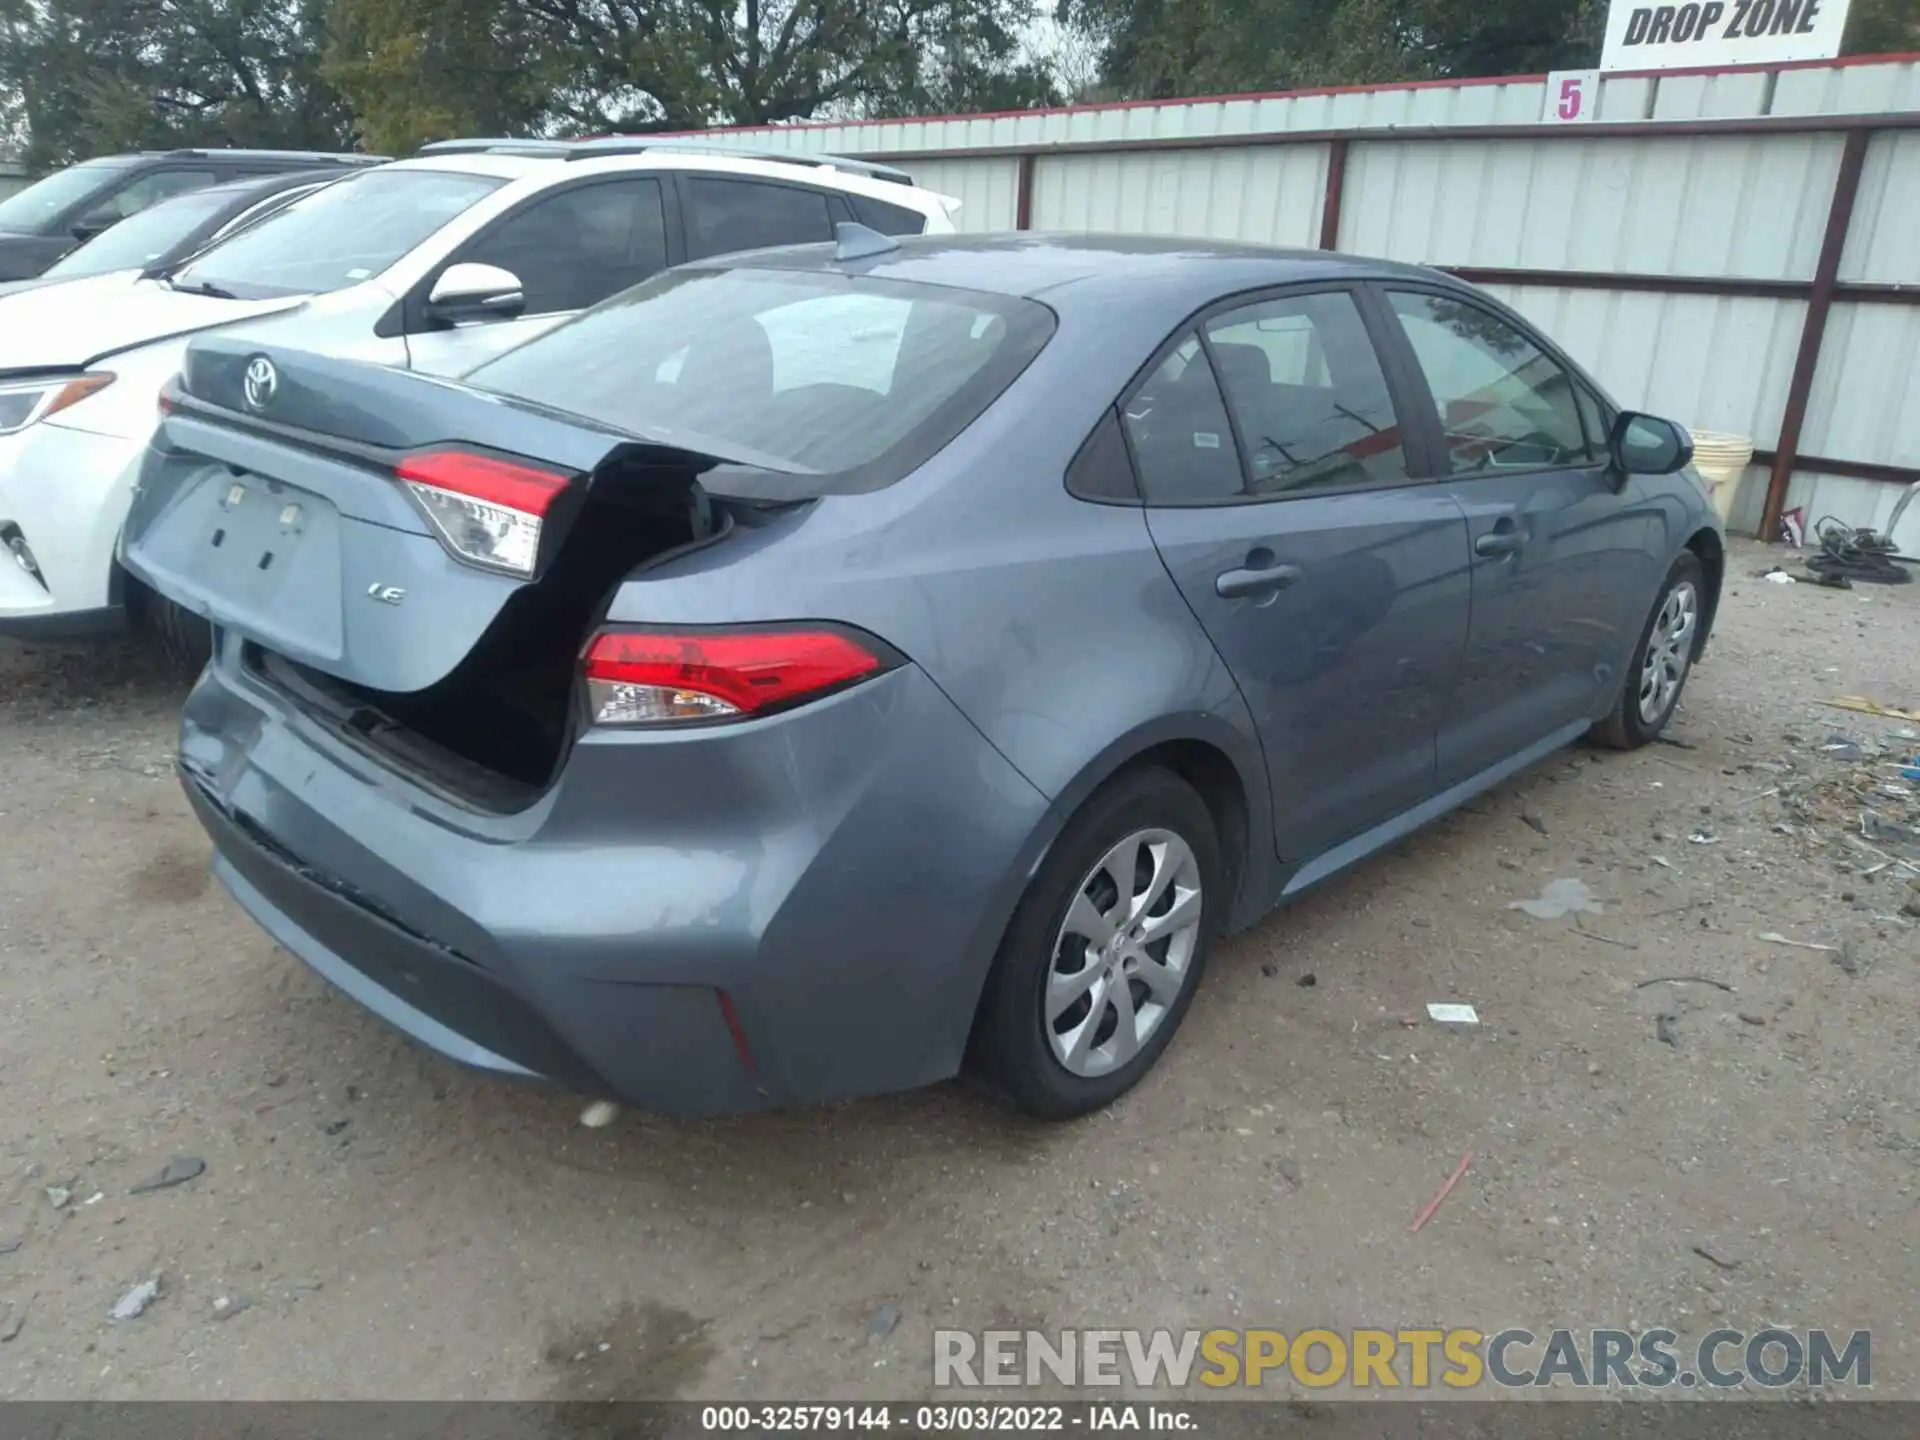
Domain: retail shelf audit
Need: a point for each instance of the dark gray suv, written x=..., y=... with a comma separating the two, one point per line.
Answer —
x=810, y=669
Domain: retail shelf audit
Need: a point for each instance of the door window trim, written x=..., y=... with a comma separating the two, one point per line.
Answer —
x=837, y=208
x=1416, y=443
x=1429, y=408
x=408, y=315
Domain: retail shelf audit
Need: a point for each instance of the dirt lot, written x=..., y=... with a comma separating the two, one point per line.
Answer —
x=373, y=1222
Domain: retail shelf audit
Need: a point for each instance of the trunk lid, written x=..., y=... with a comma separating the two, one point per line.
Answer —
x=270, y=504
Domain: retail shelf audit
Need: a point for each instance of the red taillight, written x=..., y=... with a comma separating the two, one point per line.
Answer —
x=488, y=511
x=649, y=678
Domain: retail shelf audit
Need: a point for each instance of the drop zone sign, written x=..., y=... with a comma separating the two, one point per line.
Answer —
x=1641, y=36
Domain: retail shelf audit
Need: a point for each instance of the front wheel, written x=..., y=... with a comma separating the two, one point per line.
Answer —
x=1106, y=949
x=1662, y=661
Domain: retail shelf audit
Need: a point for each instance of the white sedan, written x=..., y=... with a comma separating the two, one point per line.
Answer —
x=434, y=264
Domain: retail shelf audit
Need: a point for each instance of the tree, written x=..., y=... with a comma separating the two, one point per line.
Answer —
x=95, y=76
x=1156, y=49
x=419, y=70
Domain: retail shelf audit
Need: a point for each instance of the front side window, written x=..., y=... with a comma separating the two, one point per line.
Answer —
x=728, y=215
x=576, y=248
x=1504, y=403
x=32, y=210
x=349, y=232
x=799, y=373
x=1178, y=430
x=887, y=219
x=149, y=189
x=1307, y=390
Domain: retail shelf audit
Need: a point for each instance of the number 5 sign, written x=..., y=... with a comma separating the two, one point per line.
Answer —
x=1573, y=97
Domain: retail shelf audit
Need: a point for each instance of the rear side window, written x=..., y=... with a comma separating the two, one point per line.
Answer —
x=1307, y=390
x=149, y=189
x=576, y=248
x=887, y=219
x=1182, y=441
x=843, y=383
x=728, y=215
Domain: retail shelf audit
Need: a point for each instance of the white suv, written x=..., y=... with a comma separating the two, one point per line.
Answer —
x=435, y=264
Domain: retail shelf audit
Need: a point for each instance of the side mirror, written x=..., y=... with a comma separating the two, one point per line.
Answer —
x=88, y=226
x=1647, y=445
x=468, y=294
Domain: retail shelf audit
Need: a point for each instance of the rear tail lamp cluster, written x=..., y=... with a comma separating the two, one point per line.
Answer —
x=486, y=510
x=664, y=678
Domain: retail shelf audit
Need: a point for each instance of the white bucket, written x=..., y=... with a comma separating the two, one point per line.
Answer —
x=1721, y=460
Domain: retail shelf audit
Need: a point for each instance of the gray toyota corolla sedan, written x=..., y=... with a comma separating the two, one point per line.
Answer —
x=813, y=671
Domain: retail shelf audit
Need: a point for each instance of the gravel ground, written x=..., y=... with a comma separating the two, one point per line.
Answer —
x=373, y=1222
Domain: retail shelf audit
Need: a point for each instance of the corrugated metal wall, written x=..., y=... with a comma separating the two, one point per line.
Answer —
x=1750, y=207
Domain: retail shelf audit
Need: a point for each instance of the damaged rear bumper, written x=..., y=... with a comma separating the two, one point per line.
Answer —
x=788, y=911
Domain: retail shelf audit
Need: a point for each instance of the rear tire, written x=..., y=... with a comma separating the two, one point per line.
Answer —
x=1144, y=852
x=1662, y=661
x=183, y=638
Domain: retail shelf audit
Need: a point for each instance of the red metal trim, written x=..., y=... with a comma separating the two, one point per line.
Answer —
x=1335, y=193
x=1023, y=194
x=1651, y=284
x=1847, y=469
x=1465, y=83
x=1846, y=188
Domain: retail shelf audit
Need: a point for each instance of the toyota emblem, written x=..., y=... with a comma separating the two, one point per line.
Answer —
x=261, y=382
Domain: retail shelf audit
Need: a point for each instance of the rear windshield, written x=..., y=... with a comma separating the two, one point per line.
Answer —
x=31, y=210
x=142, y=238
x=846, y=380
x=349, y=232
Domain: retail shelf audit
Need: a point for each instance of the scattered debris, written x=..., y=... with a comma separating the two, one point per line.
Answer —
x=1558, y=899
x=95, y=1198
x=60, y=1195
x=1453, y=1014
x=1586, y=934
x=7, y=1247
x=883, y=1322
x=133, y=1304
x=1703, y=837
x=1714, y=1260
x=334, y=1127
x=1747, y=1017
x=15, y=1320
x=177, y=1171
x=1862, y=705
x=600, y=1114
x=1662, y=862
x=1666, y=1029
x=1308, y=981
x=1841, y=747
x=228, y=1306
x=1288, y=1170
x=1269, y=969
x=1427, y=1210
x=1778, y=577
x=1773, y=939
x=1676, y=744
x=1534, y=823
x=1685, y=980
x=1844, y=957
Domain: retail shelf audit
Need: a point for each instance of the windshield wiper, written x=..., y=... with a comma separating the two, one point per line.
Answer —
x=199, y=287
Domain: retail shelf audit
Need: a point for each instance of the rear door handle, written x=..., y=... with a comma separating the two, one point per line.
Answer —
x=1496, y=543
x=1238, y=584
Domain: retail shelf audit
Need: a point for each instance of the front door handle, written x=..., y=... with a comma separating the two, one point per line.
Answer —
x=1496, y=543
x=1238, y=584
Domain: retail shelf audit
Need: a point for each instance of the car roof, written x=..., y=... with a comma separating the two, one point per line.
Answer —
x=513, y=166
x=1090, y=269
